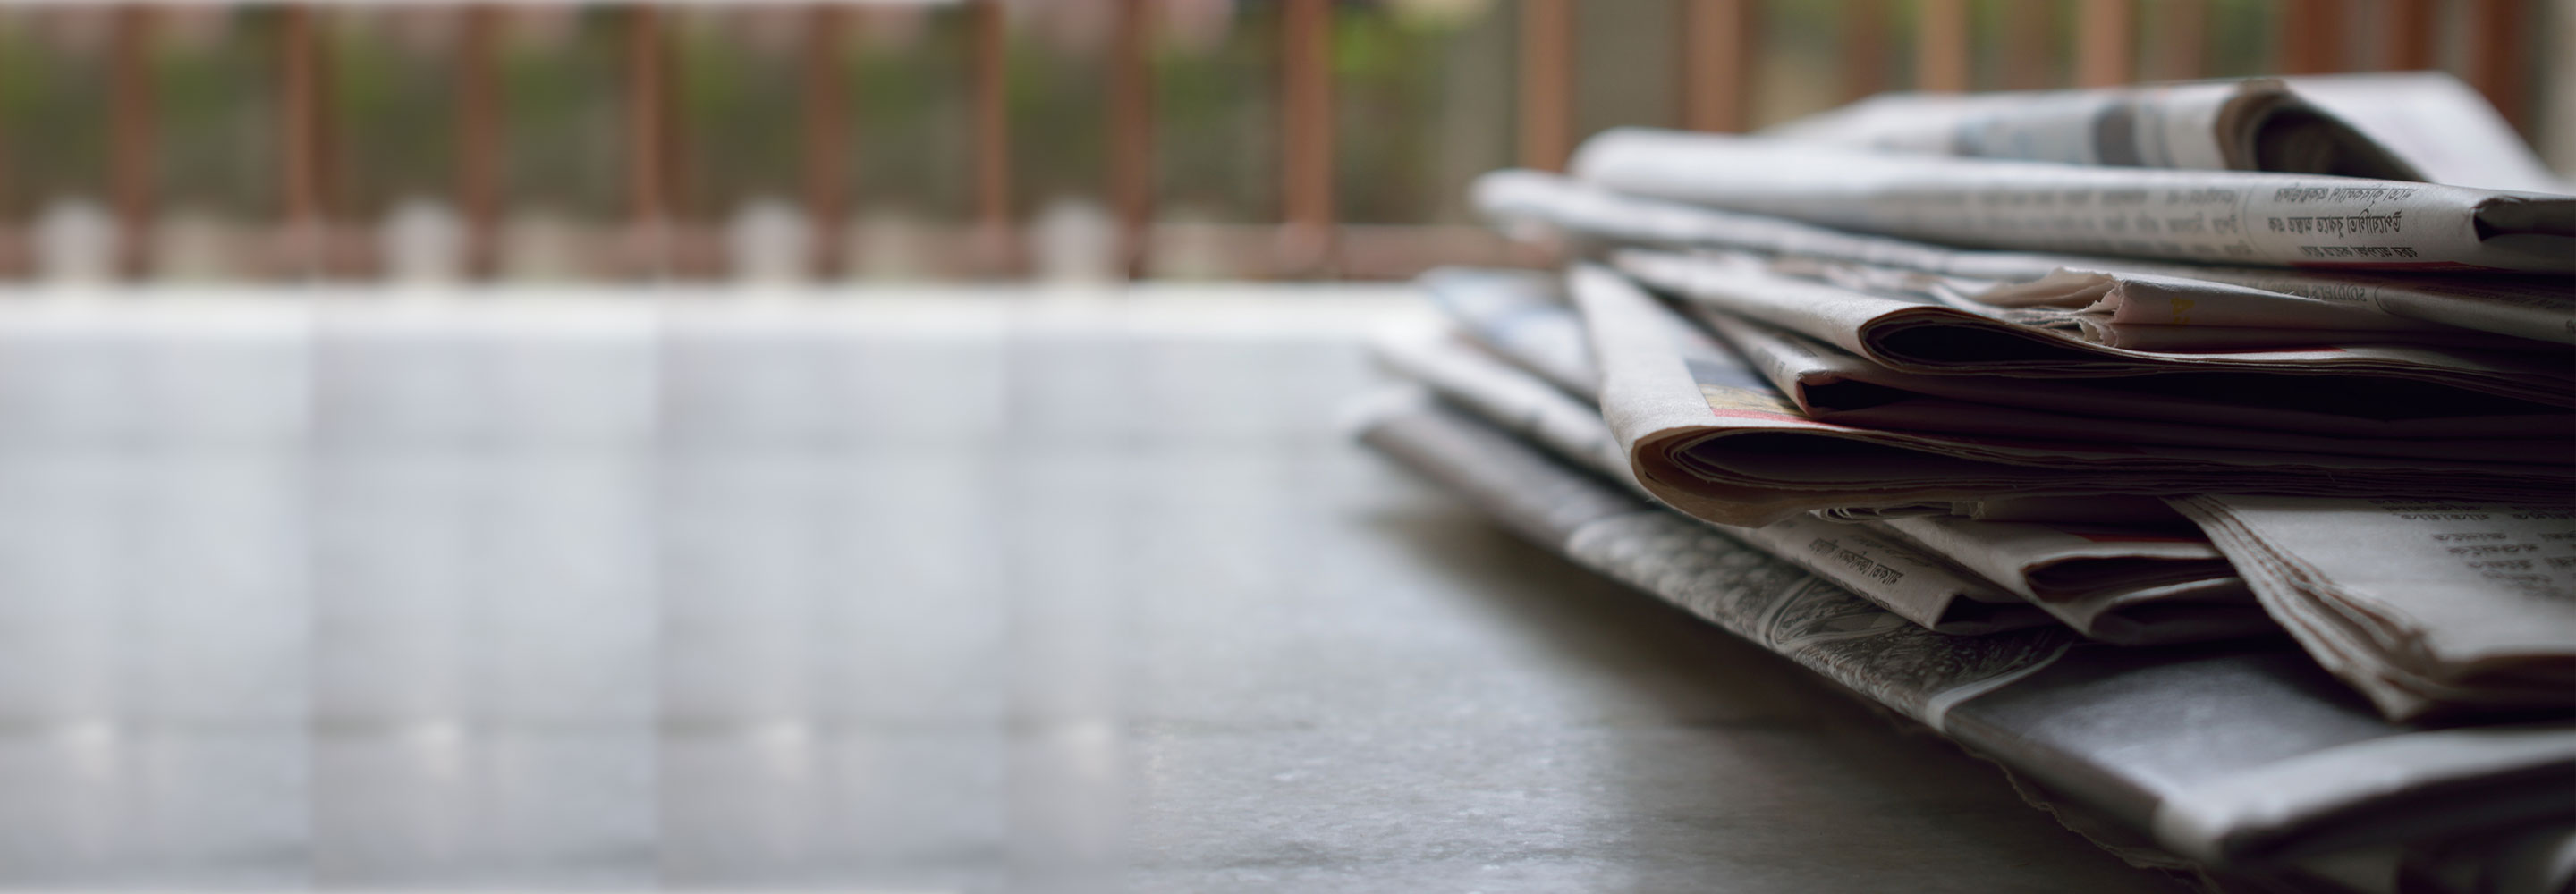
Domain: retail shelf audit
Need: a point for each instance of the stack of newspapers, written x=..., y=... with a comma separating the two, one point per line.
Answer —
x=2202, y=454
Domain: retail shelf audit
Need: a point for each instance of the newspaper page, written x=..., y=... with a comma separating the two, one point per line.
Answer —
x=1522, y=316
x=2168, y=614
x=2256, y=124
x=2430, y=607
x=1916, y=332
x=2065, y=561
x=1708, y=436
x=2091, y=509
x=2241, y=318
x=1833, y=385
x=1530, y=204
x=2209, y=216
x=1887, y=570
x=2119, y=585
x=2134, y=512
x=2225, y=754
x=2537, y=309
x=1506, y=397
x=2414, y=125
x=2441, y=126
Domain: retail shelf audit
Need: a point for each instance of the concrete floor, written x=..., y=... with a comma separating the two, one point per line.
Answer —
x=969, y=592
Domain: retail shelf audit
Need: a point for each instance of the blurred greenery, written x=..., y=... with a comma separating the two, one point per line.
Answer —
x=1216, y=123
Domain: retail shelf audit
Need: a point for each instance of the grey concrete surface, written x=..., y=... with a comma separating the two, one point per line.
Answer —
x=949, y=593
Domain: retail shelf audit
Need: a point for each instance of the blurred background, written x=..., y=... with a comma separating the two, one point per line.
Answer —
x=953, y=592
x=995, y=139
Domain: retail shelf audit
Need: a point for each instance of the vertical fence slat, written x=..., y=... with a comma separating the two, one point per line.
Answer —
x=1306, y=135
x=478, y=138
x=1941, y=46
x=2497, y=57
x=13, y=230
x=1131, y=134
x=2182, y=40
x=1546, y=83
x=2406, y=32
x=306, y=241
x=2028, y=42
x=825, y=121
x=1717, y=64
x=996, y=241
x=1865, y=47
x=2312, y=36
x=2105, y=43
x=649, y=242
x=131, y=138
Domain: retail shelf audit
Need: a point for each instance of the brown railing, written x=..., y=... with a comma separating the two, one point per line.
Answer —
x=313, y=237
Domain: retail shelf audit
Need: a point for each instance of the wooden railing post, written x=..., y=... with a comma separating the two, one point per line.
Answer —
x=307, y=245
x=1306, y=136
x=1131, y=134
x=2498, y=57
x=2182, y=40
x=2406, y=32
x=648, y=250
x=2027, y=42
x=826, y=126
x=15, y=263
x=2105, y=43
x=1717, y=64
x=478, y=138
x=131, y=139
x=996, y=240
x=1865, y=47
x=1941, y=46
x=2312, y=36
x=1546, y=83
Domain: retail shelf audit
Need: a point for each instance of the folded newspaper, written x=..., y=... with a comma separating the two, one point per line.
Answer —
x=2349, y=414
x=1980, y=406
x=2116, y=584
x=1710, y=437
x=1533, y=204
x=2417, y=125
x=2235, y=755
x=2210, y=216
x=2431, y=607
x=2111, y=583
x=2222, y=410
x=1867, y=313
x=1887, y=569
